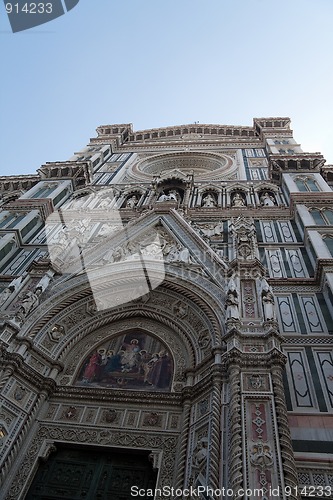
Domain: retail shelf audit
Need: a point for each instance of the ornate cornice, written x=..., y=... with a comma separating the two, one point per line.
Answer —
x=85, y=394
x=79, y=172
x=298, y=162
x=12, y=183
x=44, y=205
x=16, y=363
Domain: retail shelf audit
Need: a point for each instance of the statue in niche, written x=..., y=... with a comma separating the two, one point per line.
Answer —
x=267, y=298
x=200, y=454
x=44, y=282
x=238, y=200
x=267, y=200
x=209, y=201
x=232, y=306
x=29, y=303
x=11, y=288
x=173, y=195
x=232, y=303
x=132, y=202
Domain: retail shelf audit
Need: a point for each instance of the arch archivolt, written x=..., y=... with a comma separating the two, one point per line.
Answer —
x=192, y=306
x=180, y=318
x=168, y=309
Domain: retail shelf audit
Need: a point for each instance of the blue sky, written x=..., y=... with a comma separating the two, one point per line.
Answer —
x=159, y=63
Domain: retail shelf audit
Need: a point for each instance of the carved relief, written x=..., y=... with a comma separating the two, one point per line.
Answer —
x=110, y=416
x=257, y=382
x=152, y=419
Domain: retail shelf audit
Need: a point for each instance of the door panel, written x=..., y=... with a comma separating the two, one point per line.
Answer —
x=76, y=474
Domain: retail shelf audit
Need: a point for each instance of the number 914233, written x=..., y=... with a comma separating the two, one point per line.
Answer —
x=29, y=8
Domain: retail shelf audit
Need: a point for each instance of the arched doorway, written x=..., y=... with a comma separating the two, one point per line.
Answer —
x=75, y=473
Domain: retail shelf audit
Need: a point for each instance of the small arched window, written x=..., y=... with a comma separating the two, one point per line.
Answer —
x=322, y=216
x=306, y=184
x=328, y=239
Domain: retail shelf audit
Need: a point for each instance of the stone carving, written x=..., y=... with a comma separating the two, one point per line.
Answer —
x=108, y=229
x=208, y=230
x=157, y=246
x=29, y=303
x=180, y=309
x=19, y=393
x=255, y=382
x=238, y=200
x=261, y=456
x=56, y=333
x=204, y=339
x=200, y=454
x=3, y=434
x=232, y=303
x=12, y=287
x=209, y=201
x=203, y=407
x=132, y=202
x=267, y=200
x=110, y=416
x=173, y=195
x=75, y=233
x=244, y=234
x=76, y=202
x=268, y=301
x=70, y=413
x=44, y=282
x=4, y=296
x=152, y=419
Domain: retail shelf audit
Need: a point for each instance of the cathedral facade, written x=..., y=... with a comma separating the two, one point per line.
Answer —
x=166, y=301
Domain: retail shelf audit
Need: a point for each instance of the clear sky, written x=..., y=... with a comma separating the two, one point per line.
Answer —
x=156, y=63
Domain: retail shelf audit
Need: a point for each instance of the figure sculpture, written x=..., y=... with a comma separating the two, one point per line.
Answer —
x=209, y=201
x=238, y=200
x=267, y=200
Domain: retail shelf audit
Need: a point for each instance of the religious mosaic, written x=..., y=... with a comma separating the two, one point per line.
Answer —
x=133, y=360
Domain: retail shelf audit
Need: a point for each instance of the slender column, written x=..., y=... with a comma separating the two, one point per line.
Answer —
x=5, y=376
x=215, y=451
x=7, y=465
x=287, y=454
x=235, y=429
x=183, y=445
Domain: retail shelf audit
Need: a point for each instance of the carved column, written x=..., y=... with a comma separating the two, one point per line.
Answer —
x=180, y=478
x=17, y=444
x=235, y=430
x=287, y=454
x=215, y=438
